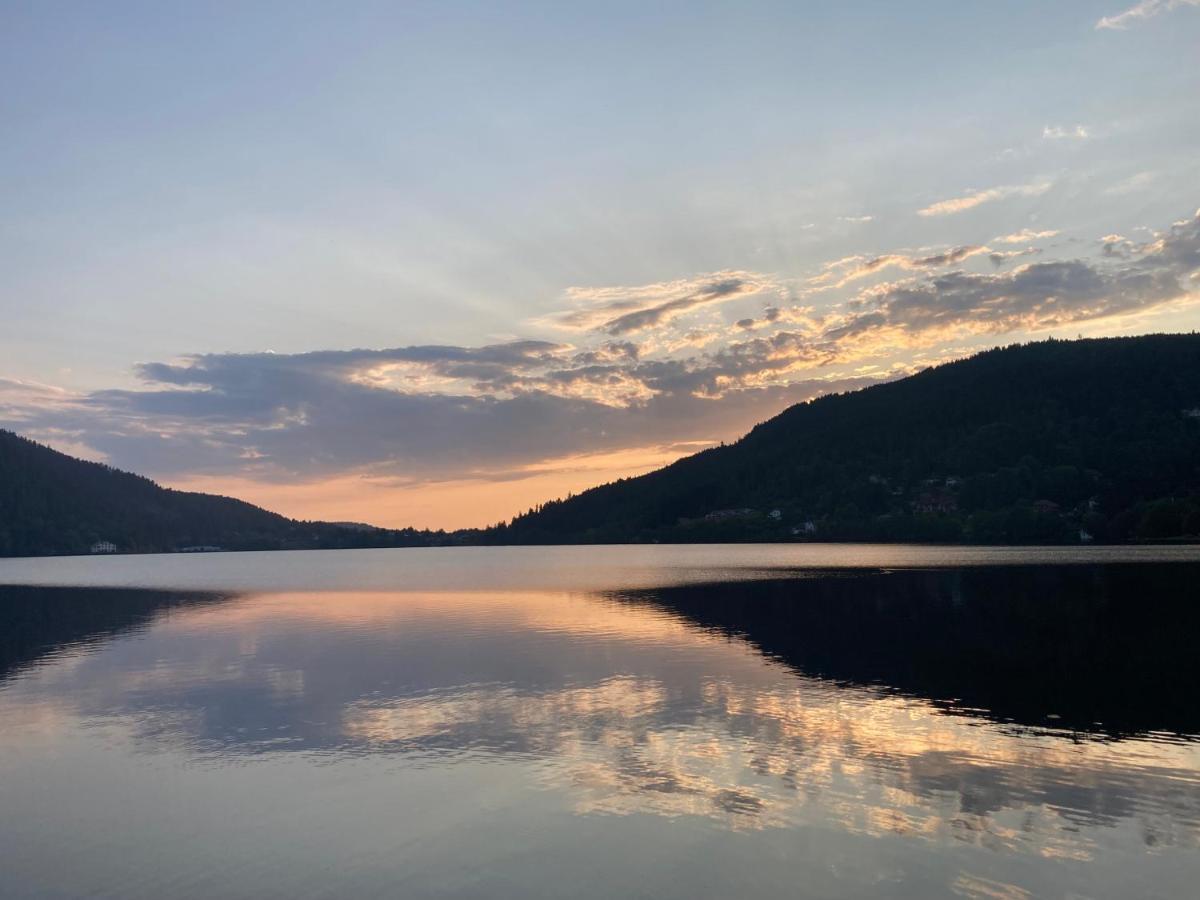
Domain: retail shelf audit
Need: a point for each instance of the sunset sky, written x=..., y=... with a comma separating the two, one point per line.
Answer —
x=430, y=264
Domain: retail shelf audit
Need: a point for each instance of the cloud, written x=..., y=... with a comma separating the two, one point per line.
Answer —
x=805, y=318
x=431, y=413
x=970, y=201
x=627, y=310
x=1024, y=236
x=1032, y=297
x=1146, y=9
x=851, y=268
x=282, y=417
x=1117, y=245
x=1000, y=257
x=1136, y=182
x=1070, y=132
x=18, y=396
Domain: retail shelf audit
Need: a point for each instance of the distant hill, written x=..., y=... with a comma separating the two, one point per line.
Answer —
x=1051, y=442
x=51, y=503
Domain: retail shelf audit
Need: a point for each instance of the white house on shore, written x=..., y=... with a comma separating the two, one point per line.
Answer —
x=104, y=547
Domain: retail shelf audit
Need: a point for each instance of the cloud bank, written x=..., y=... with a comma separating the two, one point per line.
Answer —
x=650, y=366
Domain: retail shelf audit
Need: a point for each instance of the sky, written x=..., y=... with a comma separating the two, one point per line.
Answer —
x=432, y=264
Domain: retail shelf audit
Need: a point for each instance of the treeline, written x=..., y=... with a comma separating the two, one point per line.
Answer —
x=51, y=504
x=1045, y=443
x=1050, y=442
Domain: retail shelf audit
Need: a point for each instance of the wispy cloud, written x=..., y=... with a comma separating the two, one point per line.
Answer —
x=1136, y=182
x=852, y=268
x=1000, y=257
x=977, y=198
x=1066, y=132
x=627, y=310
x=1032, y=297
x=18, y=397
x=1024, y=236
x=1146, y=9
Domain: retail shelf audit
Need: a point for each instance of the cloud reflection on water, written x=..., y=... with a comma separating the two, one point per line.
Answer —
x=622, y=709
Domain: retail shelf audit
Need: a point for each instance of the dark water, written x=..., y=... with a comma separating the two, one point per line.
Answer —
x=602, y=722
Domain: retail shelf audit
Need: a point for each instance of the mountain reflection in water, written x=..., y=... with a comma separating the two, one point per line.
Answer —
x=985, y=731
x=1108, y=649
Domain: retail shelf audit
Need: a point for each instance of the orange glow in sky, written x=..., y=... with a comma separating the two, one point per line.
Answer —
x=463, y=503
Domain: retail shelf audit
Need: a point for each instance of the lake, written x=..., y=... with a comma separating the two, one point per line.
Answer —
x=648, y=721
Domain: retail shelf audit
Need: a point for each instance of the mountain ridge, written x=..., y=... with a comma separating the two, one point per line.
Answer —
x=1046, y=442
x=54, y=504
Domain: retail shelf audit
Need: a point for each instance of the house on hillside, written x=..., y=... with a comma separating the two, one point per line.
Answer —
x=937, y=501
x=104, y=547
x=720, y=515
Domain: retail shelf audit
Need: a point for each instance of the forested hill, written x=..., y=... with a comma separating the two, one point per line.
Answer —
x=51, y=503
x=1057, y=441
x=1053, y=442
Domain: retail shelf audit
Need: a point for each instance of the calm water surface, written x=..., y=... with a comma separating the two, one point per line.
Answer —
x=602, y=722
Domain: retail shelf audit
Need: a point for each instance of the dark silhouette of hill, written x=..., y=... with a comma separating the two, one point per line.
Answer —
x=1050, y=442
x=51, y=503
x=42, y=621
x=1112, y=654
x=1053, y=442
